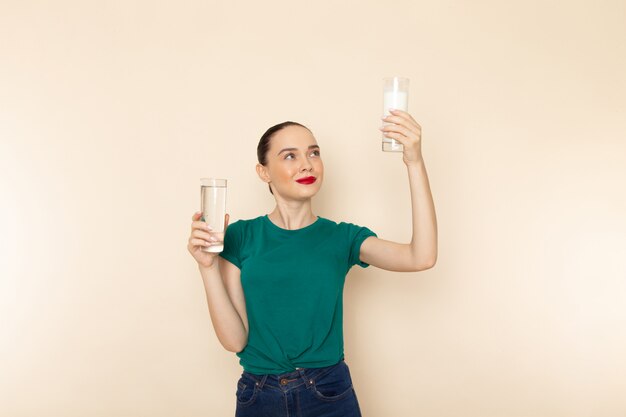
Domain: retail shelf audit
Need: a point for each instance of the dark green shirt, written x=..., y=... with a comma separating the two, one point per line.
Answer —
x=293, y=285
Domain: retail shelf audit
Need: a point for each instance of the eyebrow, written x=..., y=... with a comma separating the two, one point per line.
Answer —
x=295, y=149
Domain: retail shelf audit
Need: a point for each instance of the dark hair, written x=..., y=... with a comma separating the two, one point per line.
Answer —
x=264, y=143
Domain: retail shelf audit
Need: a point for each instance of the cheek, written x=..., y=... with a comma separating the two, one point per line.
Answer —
x=286, y=174
x=319, y=166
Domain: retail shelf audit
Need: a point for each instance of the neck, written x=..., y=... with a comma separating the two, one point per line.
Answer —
x=293, y=215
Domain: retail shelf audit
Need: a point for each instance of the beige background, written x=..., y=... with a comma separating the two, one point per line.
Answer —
x=111, y=111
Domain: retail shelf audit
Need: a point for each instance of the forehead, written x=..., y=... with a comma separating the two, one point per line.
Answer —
x=293, y=137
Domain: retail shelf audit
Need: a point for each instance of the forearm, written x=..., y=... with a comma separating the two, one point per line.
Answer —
x=227, y=323
x=424, y=239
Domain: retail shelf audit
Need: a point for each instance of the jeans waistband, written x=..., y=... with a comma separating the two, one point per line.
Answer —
x=290, y=380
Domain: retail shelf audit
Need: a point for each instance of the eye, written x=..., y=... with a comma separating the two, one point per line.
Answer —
x=288, y=155
x=316, y=153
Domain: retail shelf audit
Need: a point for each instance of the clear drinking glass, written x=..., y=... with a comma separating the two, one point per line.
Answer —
x=395, y=96
x=213, y=201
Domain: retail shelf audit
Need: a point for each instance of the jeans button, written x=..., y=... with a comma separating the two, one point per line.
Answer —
x=283, y=381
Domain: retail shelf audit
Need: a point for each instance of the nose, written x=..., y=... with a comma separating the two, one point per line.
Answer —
x=306, y=165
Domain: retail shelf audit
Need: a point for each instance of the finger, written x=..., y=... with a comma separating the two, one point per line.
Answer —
x=397, y=136
x=405, y=115
x=196, y=215
x=200, y=225
x=204, y=235
x=226, y=219
x=403, y=122
x=397, y=129
x=199, y=242
x=395, y=118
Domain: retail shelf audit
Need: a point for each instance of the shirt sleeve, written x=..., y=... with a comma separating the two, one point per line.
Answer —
x=356, y=236
x=232, y=244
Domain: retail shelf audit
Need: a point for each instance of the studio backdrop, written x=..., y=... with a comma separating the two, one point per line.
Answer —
x=112, y=111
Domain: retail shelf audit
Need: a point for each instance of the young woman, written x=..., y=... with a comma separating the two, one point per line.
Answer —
x=275, y=293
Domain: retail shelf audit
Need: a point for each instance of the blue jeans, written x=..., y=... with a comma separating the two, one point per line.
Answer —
x=306, y=392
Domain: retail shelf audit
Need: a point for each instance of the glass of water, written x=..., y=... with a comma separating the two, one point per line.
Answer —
x=395, y=96
x=213, y=201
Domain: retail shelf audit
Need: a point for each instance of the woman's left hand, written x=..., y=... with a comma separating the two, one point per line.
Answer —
x=406, y=131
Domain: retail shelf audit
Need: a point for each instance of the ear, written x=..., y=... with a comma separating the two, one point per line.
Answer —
x=262, y=173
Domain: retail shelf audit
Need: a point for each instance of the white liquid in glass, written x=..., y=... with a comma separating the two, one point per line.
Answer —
x=394, y=100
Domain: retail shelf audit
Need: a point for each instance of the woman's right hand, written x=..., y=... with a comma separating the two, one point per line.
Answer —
x=202, y=237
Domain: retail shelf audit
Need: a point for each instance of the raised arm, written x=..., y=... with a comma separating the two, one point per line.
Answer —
x=421, y=252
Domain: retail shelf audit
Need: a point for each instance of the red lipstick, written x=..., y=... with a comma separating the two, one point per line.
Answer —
x=307, y=180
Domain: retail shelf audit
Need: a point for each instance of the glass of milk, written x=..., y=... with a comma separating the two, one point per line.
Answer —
x=213, y=202
x=395, y=96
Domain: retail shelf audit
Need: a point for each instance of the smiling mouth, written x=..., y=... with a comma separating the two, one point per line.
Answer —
x=307, y=180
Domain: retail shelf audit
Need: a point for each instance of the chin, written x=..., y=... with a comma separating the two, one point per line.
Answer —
x=307, y=194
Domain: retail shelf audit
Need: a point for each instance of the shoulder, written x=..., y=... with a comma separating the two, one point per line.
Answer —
x=346, y=227
x=247, y=222
x=335, y=223
x=242, y=226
